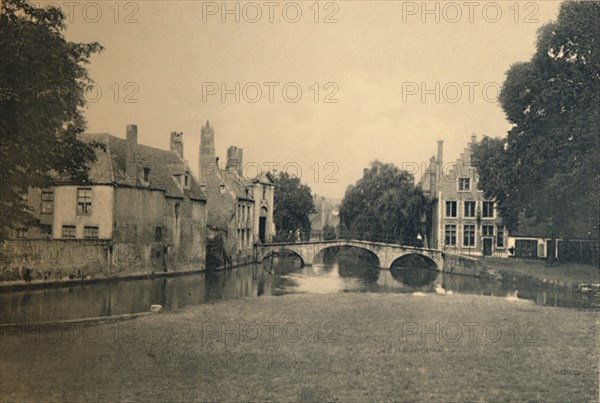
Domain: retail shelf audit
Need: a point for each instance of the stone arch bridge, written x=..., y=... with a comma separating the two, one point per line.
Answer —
x=387, y=254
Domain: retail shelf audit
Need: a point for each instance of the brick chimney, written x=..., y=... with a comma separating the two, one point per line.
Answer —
x=131, y=168
x=232, y=159
x=240, y=162
x=177, y=143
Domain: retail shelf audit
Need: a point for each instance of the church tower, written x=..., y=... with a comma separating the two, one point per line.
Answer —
x=208, y=160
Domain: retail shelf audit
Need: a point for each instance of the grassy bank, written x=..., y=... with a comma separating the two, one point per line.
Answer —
x=352, y=347
x=570, y=274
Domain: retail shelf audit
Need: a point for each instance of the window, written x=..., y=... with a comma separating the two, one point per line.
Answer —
x=488, y=209
x=69, y=231
x=450, y=209
x=487, y=230
x=451, y=234
x=186, y=183
x=47, y=202
x=146, y=174
x=46, y=229
x=84, y=201
x=264, y=189
x=469, y=235
x=90, y=232
x=469, y=209
x=177, y=210
x=21, y=232
x=158, y=234
x=464, y=184
x=500, y=236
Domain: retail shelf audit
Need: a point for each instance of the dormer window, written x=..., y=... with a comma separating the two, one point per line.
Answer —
x=186, y=180
x=146, y=174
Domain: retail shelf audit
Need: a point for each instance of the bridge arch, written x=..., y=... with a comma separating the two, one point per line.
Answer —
x=278, y=252
x=412, y=259
x=319, y=252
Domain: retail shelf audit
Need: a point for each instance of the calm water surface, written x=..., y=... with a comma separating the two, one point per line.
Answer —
x=252, y=281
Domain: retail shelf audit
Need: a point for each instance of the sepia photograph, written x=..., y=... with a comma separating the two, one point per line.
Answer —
x=299, y=201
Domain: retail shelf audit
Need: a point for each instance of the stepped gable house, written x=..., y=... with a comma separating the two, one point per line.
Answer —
x=463, y=220
x=142, y=211
x=240, y=209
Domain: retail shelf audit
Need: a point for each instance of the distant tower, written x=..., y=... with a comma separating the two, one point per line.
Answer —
x=207, y=158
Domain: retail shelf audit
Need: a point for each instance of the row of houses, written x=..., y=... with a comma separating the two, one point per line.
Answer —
x=464, y=221
x=142, y=211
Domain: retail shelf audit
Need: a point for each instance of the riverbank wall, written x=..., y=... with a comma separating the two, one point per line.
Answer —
x=506, y=272
x=32, y=263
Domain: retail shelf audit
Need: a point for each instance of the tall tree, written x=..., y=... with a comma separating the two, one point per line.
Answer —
x=42, y=83
x=293, y=206
x=384, y=205
x=549, y=165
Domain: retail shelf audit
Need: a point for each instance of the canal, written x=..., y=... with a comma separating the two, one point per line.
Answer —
x=255, y=281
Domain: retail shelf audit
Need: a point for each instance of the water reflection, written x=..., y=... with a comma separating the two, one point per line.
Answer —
x=251, y=281
x=415, y=277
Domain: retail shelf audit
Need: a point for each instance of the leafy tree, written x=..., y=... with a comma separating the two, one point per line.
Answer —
x=384, y=205
x=293, y=205
x=329, y=233
x=549, y=164
x=42, y=84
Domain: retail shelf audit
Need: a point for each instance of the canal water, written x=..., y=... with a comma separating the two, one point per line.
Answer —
x=254, y=281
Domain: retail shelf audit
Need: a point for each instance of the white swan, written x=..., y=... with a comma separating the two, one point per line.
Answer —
x=515, y=298
x=419, y=294
x=439, y=290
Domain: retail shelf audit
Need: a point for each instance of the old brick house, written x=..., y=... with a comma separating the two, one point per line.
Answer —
x=326, y=215
x=462, y=219
x=142, y=211
x=240, y=209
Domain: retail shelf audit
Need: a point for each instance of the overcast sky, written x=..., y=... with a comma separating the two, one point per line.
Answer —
x=375, y=59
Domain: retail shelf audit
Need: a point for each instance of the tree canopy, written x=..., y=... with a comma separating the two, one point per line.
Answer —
x=293, y=206
x=549, y=164
x=384, y=205
x=42, y=83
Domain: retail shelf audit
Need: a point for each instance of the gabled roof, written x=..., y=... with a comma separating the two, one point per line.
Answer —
x=111, y=164
x=222, y=203
x=265, y=177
